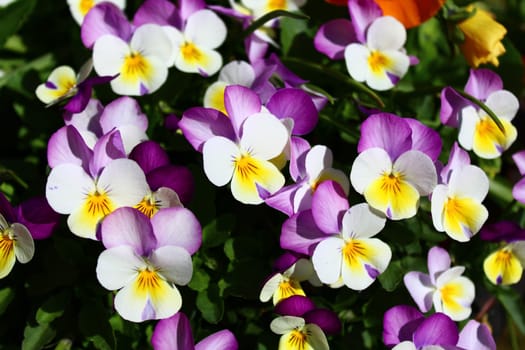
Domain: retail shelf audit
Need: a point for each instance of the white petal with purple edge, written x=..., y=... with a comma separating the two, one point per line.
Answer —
x=219, y=154
x=224, y=340
x=438, y=260
x=420, y=288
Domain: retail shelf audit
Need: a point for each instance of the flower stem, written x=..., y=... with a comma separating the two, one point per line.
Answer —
x=483, y=106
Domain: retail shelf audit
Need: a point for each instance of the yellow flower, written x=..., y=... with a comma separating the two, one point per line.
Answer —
x=483, y=37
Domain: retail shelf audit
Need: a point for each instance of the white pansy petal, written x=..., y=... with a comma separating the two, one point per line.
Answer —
x=237, y=72
x=455, y=298
x=327, y=259
x=108, y=54
x=438, y=200
x=206, y=29
x=368, y=166
x=418, y=170
x=117, y=267
x=356, y=59
x=131, y=136
x=449, y=275
x=302, y=270
x=406, y=345
x=24, y=244
x=469, y=181
x=197, y=59
x=504, y=104
x=317, y=159
x=467, y=128
x=361, y=222
x=284, y=324
x=214, y=96
x=315, y=337
x=253, y=174
x=66, y=187
x=264, y=136
x=174, y=263
x=126, y=180
x=386, y=33
x=151, y=40
x=140, y=78
x=219, y=154
x=270, y=286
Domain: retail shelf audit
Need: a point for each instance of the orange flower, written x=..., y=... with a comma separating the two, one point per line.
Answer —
x=410, y=12
x=483, y=37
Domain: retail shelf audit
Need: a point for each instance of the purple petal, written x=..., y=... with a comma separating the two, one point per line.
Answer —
x=457, y=159
x=437, y=329
x=128, y=226
x=149, y=155
x=228, y=11
x=300, y=234
x=221, y=340
x=451, y=105
x=425, y=139
x=177, y=226
x=107, y=148
x=255, y=47
x=298, y=149
x=178, y=178
x=387, y=131
x=327, y=320
x=282, y=71
x=519, y=160
x=36, y=214
x=518, y=191
x=508, y=231
x=199, y=124
x=296, y=104
x=482, y=82
x=400, y=323
x=81, y=99
x=66, y=145
x=240, y=102
x=123, y=111
x=50, y=85
x=362, y=13
x=477, y=336
x=188, y=7
x=420, y=288
x=286, y=260
x=438, y=261
x=173, y=333
x=282, y=200
x=329, y=203
x=333, y=37
x=296, y=305
x=104, y=18
x=88, y=119
x=161, y=12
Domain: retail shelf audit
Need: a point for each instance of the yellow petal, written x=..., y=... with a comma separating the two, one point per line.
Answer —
x=463, y=217
x=489, y=140
x=503, y=267
x=7, y=254
x=287, y=288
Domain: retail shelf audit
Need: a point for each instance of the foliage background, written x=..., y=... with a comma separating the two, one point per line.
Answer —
x=56, y=302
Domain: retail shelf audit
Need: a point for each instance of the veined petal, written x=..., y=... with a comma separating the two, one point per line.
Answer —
x=139, y=75
x=173, y=264
x=463, y=217
x=309, y=337
x=361, y=222
x=454, y=298
x=264, y=136
x=386, y=33
x=219, y=154
x=489, y=141
x=24, y=245
x=503, y=267
x=7, y=254
x=148, y=297
x=284, y=324
x=251, y=173
x=368, y=166
x=117, y=266
x=66, y=187
x=327, y=259
x=206, y=29
x=363, y=261
x=385, y=68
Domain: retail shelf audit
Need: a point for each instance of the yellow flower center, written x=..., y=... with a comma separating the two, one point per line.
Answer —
x=391, y=183
x=98, y=204
x=7, y=244
x=378, y=62
x=353, y=251
x=297, y=340
x=85, y=6
x=191, y=53
x=246, y=167
x=449, y=293
x=148, y=206
x=135, y=67
x=288, y=288
x=488, y=130
x=276, y=5
x=148, y=280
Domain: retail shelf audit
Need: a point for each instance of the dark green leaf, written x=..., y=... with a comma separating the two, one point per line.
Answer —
x=218, y=230
x=6, y=295
x=199, y=281
x=36, y=337
x=513, y=304
x=211, y=304
x=94, y=324
x=53, y=308
x=392, y=276
x=290, y=27
x=13, y=17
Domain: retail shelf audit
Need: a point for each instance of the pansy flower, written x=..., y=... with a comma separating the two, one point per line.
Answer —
x=518, y=190
x=144, y=260
x=443, y=286
x=296, y=334
x=477, y=131
x=395, y=165
x=16, y=243
x=505, y=265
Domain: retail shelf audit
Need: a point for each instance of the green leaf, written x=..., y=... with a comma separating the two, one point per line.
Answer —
x=268, y=17
x=199, y=281
x=7, y=294
x=53, y=308
x=94, y=324
x=290, y=27
x=36, y=337
x=64, y=344
x=218, y=230
x=513, y=304
x=13, y=17
x=392, y=276
x=211, y=304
